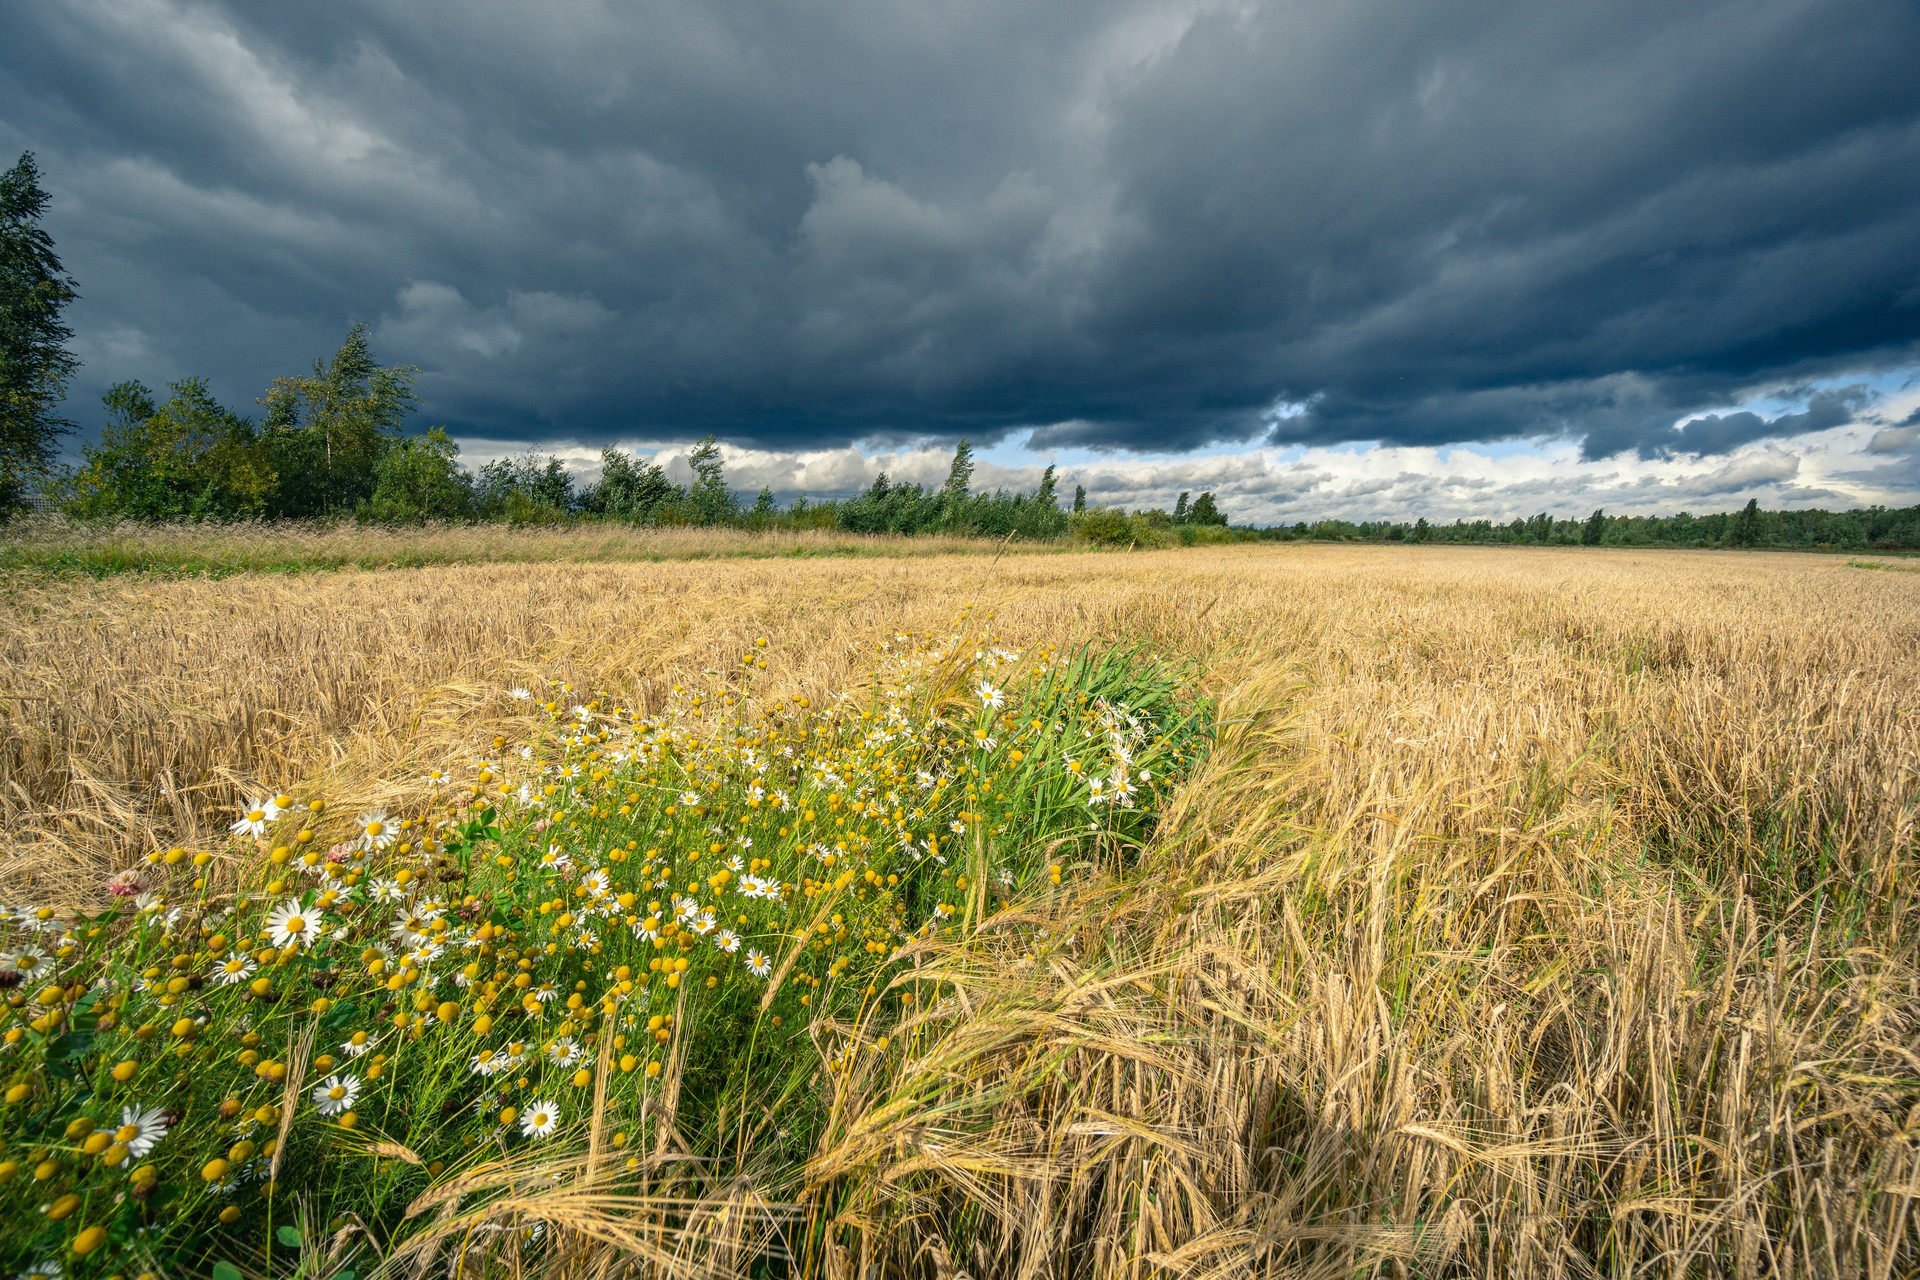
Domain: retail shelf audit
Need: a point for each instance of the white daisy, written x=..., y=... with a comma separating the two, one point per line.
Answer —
x=140, y=1128
x=358, y=1044
x=27, y=960
x=255, y=817
x=991, y=697
x=385, y=889
x=758, y=964
x=519, y=695
x=727, y=940
x=540, y=1119
x=423, y=954
x=293, y=925
x=235, y=969
x=377, y=831
x=564, y=1052
x=336, y=1094
x=492, y=1062
x=409, y=928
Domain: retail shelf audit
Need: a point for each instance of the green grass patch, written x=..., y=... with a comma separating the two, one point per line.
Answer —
x=60, y=548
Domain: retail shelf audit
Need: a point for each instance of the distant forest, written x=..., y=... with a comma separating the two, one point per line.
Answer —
x=1862, y=529
x=331, y=445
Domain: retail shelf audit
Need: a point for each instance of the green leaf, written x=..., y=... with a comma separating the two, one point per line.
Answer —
x=71, y=1047
x=224, y=1270
x=340, y=1014
x=345, y=1275
x=288, y=1236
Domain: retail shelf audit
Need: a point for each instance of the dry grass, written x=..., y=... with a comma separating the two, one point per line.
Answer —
x=1538, y=913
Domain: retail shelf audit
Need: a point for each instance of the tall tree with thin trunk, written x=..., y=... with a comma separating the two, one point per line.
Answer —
x=34, y=361
x=960, y=474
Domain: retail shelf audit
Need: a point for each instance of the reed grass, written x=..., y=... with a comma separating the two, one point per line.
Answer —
x=1533, y=914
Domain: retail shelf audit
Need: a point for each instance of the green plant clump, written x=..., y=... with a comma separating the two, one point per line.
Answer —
x=626, y=933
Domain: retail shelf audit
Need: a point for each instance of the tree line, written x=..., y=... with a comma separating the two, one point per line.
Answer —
x=331, y=443
x=1861, y=529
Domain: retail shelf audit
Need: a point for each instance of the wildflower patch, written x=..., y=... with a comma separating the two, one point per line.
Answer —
x=627, y=925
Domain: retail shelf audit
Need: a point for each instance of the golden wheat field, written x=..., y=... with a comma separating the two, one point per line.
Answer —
x=1535, y=913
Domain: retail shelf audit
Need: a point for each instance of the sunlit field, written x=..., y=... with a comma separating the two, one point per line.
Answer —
x=1233, y=911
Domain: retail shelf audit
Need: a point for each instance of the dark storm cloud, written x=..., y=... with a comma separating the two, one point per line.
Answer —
x=1144, y=226
x=1722, y=433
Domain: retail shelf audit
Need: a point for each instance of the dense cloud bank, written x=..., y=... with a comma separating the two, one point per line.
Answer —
x=1872, y=459
x=1144, y=226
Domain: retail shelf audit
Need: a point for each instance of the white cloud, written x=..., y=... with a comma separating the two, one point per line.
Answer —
x=1283, y=486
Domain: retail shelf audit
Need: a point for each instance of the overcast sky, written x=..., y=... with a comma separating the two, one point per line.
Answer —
x=1352, y=258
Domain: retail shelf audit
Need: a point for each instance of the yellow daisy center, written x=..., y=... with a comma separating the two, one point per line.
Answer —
x=295, y=924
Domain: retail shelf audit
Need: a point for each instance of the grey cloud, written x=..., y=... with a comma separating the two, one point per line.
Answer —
x=1897, y=439
x=1142, y=224
x=1722, y=433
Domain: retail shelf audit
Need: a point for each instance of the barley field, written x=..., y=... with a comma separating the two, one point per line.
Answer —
x=1527, y=913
